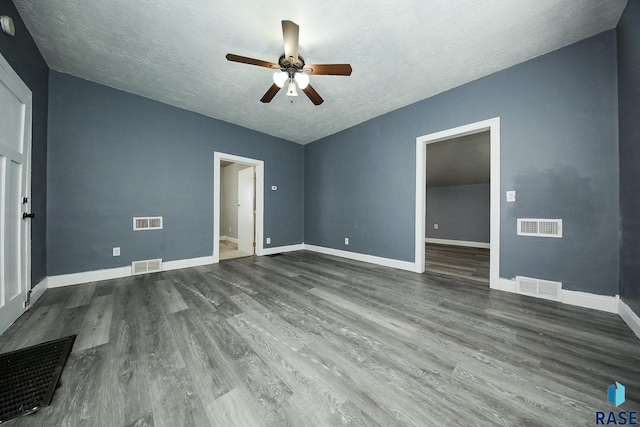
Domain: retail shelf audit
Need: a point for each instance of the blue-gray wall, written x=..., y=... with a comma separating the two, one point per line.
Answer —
x=559, y=136
x=629, y=119
x=461, y=212
x=114, y=155
x=24, y=57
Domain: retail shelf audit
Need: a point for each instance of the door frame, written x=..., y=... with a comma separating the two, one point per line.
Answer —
x=12, y=80
x=493, y=126
x=259, y=195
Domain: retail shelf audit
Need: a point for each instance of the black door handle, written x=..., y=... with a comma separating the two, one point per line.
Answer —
x=28, y=215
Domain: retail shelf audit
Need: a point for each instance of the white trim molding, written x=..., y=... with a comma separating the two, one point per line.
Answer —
x=629, y=316
x=88, y=276
x=119, y=272
x=589, y=300
x=37, y=291
x=465, y=243
x=229, y=239
x=607, y=303
x=281, y=249
x=493, y=126
x=186, y=263
x=386, y=262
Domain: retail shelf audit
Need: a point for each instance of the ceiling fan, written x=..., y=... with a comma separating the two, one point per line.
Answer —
x=292, y=69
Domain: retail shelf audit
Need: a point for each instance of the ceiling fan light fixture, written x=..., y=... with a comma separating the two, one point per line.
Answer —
x=291, y=89
x=302, y=80
x=280, y=78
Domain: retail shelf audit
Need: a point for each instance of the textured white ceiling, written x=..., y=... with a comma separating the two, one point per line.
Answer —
x=400, y=51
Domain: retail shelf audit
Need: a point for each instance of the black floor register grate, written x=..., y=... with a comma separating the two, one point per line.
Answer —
x=28, y=376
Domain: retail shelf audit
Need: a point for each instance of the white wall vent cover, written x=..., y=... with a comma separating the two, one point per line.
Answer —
x=539, y=288
x=540, y=227
x=147, y=223
x=146, y=266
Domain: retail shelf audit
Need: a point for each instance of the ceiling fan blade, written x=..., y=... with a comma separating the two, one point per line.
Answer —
x=268, y=96
x=290, y=32
x=313, y=95
x=330, y=69
x=251, y=61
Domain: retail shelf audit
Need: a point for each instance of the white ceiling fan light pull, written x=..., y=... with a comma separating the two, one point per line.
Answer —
x=291, y=90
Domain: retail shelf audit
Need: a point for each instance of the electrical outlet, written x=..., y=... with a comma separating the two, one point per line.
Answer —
x=435, y=226
x=268, y=240
x=116, y=251
x=229, y=229
x=346, y=240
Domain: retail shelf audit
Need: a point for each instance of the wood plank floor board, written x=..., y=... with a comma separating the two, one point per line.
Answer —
x=319, y=396
x=314, y=340
x=96, y=326
x=171, y=299
x=82, y=296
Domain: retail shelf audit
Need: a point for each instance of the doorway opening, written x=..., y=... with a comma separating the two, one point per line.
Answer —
x=428, y=229
x=458, y=187
x=238, y=207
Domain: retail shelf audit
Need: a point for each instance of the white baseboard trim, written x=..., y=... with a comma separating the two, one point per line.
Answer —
x=589, y=300
x=229, y=239
x=465, y=243
x=579, y=299
x=119, y=272
x=186, y=263
x=88, y=276
x=505, y=285
x=629, y=316
x=280, y=249
x=387, y=262
x=37, y=291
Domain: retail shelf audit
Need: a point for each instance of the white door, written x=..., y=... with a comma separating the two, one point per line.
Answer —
x=245, y=210
x=15, y=173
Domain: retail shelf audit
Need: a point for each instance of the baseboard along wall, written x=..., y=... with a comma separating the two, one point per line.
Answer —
x=610, y=304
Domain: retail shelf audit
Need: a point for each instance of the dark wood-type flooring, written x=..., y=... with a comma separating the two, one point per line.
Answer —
x=458, y=261
x=304, y=339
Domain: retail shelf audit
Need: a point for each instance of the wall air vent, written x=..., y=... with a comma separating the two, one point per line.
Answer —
x=146, y=266
x=539, y=288
x=540, y=227
x=147, y=223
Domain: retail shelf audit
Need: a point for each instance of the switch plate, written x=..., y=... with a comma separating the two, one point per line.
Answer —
x=274, y=187
x=268, y=240
x=346, y=240
x=435, y=226
x=511, y=196
x=116, y=251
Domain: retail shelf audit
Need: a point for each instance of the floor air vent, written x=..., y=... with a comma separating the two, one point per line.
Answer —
x=146, y=266
x=540, y=227
x=539, y=288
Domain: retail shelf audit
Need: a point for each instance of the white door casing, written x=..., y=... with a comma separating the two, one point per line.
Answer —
x=15, y=186
x=493, y=126
x=246, y=229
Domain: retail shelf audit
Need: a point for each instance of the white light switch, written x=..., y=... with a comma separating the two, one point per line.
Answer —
x=274, y=187
x=116, y=251
x=511, y=196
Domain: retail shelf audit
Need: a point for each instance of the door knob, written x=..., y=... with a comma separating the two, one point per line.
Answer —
x=28, y=215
